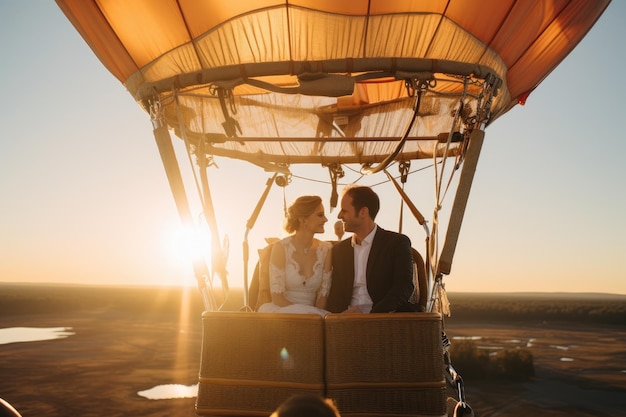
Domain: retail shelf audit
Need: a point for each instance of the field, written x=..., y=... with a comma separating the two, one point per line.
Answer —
x=132, y=339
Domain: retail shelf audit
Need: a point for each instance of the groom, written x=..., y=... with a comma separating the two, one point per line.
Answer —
x=372, y=271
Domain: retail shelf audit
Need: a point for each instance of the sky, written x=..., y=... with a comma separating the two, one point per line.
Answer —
x=84, y=198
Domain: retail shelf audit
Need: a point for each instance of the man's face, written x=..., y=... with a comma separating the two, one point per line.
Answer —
x=348, y=215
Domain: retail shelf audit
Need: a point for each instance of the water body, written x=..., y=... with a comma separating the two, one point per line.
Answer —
x=38, y=334
x=33, y=334
x=169, y=391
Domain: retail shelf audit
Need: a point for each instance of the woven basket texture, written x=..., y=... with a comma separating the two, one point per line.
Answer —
x=387, y=364
x=376, y=364
x=251, y=362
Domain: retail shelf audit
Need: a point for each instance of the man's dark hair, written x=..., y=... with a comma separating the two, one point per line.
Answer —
x=306, y=405
x=364, y=197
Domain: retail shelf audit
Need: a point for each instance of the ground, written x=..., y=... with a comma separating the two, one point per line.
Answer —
x=117, y=351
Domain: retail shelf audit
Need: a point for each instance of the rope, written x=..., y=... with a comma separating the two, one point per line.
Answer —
x=420, y=86
x=433, y=253
x=206, y=201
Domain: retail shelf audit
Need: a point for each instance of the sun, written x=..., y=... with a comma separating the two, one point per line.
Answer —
x=186, y=245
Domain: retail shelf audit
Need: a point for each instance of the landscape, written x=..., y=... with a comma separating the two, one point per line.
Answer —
x=119, y=342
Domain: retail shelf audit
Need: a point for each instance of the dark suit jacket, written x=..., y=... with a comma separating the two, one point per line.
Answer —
x=389, y=274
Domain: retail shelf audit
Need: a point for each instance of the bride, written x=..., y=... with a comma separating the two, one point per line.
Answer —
x=300, y=265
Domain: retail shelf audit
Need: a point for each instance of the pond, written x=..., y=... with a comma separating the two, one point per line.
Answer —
x=169, y=391
x=38, y=334
x=33, y=334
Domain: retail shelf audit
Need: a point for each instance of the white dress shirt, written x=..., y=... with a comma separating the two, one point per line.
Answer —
x=360, y=296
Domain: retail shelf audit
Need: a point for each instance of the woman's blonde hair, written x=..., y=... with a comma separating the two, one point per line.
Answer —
x=301, y=208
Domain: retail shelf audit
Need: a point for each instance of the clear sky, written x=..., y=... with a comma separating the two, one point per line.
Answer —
x=84, y=198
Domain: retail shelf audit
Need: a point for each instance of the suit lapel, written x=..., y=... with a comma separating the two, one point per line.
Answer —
x=347, y=256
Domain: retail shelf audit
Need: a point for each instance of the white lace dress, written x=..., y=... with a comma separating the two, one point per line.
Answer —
x=301, y=291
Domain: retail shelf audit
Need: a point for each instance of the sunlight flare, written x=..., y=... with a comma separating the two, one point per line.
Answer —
x=186, y=245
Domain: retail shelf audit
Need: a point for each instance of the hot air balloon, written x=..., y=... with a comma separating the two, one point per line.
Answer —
x=368, y=85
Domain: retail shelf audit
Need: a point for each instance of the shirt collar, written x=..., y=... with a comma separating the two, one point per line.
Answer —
x=368, y=239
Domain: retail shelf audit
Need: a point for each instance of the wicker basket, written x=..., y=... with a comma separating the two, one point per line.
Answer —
x=385, y=364
x=251, y=362
x=371, y=365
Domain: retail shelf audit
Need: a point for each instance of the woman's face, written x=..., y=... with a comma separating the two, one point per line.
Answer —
x=316, y=221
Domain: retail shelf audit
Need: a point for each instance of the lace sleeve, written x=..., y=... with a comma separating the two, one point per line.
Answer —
x=277, y=279
x=323, y=253
x=325, y=288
